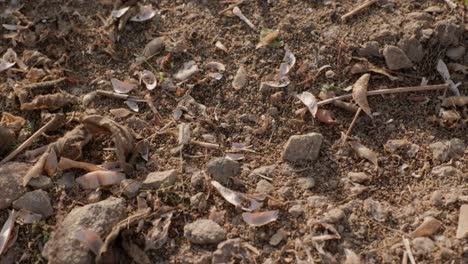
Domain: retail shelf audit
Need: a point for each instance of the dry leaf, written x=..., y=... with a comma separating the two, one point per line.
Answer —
x=51, y=162
x=236, y=11
x=214, y=65
x=7, y=230
x=135, y=252
x=235, y=156
x=457, y=67
x=122, y=87
x=428, y=227
x=325, y=116
x=148, y=79
x=288, y=63
x=95, y=179
x=189, y=68
x=154, y=46
x=90, y=239
x=462, y=229
x=36, y=170
x=50, y=101
x=237, y=199
x=145, y=13
x=132, y=105
x=120, y=112
x=444, y=72
x=261, y=218
x=364, y=152
x=240, y=80
x=310, y=101
x=184, y=134
x=8, y=60
x=279, y=83
x=455, y=101
x=221, y=46
x=119, y=12
x=268, y=39
x=360, y=93
x=157, y=235
x=67, y=164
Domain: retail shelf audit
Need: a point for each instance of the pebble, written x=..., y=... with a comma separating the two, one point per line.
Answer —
x=302, y=147
x=412, y=48
x=447, y=34
x=198, y=201
x=317, y=201
x=247, y=118
x=358, y=177
x=286, y=191
x=437, y=199
x=37, y=201
x=62, y=247
x=428, y=227
x=296, y=210
x=130, y=187
x=456, y=53
x=11, y=182
x=264, y=171
x=94, y=196
x=67, y=180
x=204, y=232
x=278, y=237
x=423, y=246
x=334, y=216
x=330, y=74
x=264, y=186
x=306, y=183
x=378, y=211
x=444, y=171
x=41, y=182
x=370, y=49
x=396, y=58
x=222, y=169
x=160, y=179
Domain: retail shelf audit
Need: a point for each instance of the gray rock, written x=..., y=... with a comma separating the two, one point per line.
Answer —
x=204, y=232
x=264, y=171
x=222, y=169
x=67, y=180
x=37, y=201
x=306, y=183
x=7, y=139
x=456, y=148
x=456, y=53
x=423, y=246
x=41, y=182
x=247, y=118
x=278, y=237
x=447, y=34
x=63, y=247
x=412, y=48
x=94, y=196
x=229, y=250
x=296, y=210
x=130, y=187
x=303, y=147
x=11, y=182
x=440, y=151
x=444, y=171
x=317, y=201
x=160, y=179
x=264, y=186
x=198, y=201
x=370, y=49
x=273, y=111
x=358, y=177
x=334, y=216
x=395, y=58
x=380, y=211
x=437, y=199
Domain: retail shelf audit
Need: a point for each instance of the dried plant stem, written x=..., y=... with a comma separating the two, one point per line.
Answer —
x=205, y=144
x=358, y=9
x=352, y=125
x=30, y=140
x=230, y=7
x=43, y=84
x=388, y=91
x=408, y=250
x=120, y=96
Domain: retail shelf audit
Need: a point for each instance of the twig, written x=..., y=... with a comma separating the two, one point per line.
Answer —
x=263, y=176
x=352, y=124
x=408, y=250
x=230, y=7
x=43, y=84
x=358, y=9
x=32, y=154
x=388, y=91
x=120, y=96
x=30, y=140
x=205, y=144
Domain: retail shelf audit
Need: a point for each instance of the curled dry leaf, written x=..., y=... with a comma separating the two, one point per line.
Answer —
x=189, y=69
x=240, y=80
x=261, y=218
x=122, y=87
x=221, y=46
x=145, y=13
x=154, y=46
x=279, y=83
x=444, y=72
x=455, y=101
x=235, y=156
x=157, y=235
x=8, y=60
x=90, y=239
x=132, y=105
x=325, y=116
x=6, y=232
x=236, y=11
x=50, y=101
x=237, y=199
x=268, y=38
x=360, y=93
x=189, y=105
x=148, y=79
x=95, y=179
x=288, y=63
x=214, y=65
x=51, y=162
x=364, y=152
x=310, y=101
x=119, y=12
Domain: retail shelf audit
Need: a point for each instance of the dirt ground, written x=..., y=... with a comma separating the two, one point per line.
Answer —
x=363, y=221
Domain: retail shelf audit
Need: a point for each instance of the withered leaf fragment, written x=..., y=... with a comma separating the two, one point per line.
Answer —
x=95, y=179
x=360, y=93
x=237, y=199
x=364, y=152
x=6, y=232
x=157, y=235
x=240, y=80
x=50, y=101
x=260, y=218
x=310, y=101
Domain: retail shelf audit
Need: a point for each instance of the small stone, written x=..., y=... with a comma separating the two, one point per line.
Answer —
x=247, y=118
x=396, y=58
x=358, y=177
x=222, y=169
x=120, y=112
x=440, y=151
x=330, y=74
x=303, y=147
x=296, y=210
x=197, y=180
x=160, y=179
x=7, y=139
x=447, y=34
x=94, y=196
x=462, y=229
x=286, y=191
x=436, y=199
x=278, y=237
x=456, y=148
x=370, y=49
x=265, y=187
x=413, y=48
x=11, y=182
x=264, y=171
x=41, y=182
x=423, y=246
x=204, y=232
x=198, y=201
x=444, y=171
x=428, y=227
x=334, y=216
x=306, y=183
x=273, y=111
x=130, y=187
x=317, y=201
x=230, y=250
x=379, y=211
x=67, y=180
x=37, y=201
x=456, y=53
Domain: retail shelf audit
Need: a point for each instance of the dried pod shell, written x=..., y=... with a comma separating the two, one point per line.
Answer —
x=122, y=87
x=360, y=93
x=240, y=80
x=364, y=152
x=145, y=13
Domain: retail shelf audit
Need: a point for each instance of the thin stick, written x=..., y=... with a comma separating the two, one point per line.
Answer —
x=205, y=144
x=358, y=9
x=352, y=124
x=30, y=140
x=43, y=84
x=388, y=91
x=408, y=250
x=120, y=96
x=230, y=7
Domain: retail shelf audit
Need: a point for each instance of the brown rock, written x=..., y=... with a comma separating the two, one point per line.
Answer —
x=462, y=229
x=11, y=182
x=396, y=58
x=303, y=147
x=413, y=48
x=428, y=227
